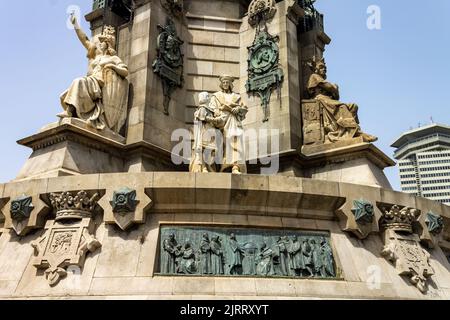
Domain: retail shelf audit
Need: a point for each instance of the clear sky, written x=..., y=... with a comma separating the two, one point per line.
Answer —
x=399, y=75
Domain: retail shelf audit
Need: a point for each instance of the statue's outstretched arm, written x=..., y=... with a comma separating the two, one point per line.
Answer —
x=80, y=33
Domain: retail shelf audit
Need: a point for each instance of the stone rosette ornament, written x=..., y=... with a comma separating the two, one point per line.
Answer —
x=261, y=11
x=364, y=211
x=69, y=237
x=402, y=245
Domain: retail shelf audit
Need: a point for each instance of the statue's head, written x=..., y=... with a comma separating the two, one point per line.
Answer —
x=108, y=41
x=318, y=66
x=203, y=98
x=226, y=83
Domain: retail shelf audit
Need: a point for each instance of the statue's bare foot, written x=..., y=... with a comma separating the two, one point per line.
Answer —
x=369, y=138
x=65, y=114
x=236, y=170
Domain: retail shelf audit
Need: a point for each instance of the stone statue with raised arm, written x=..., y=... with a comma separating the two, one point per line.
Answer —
x=101, y=97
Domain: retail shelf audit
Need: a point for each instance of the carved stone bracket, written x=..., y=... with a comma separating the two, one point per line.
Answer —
x=25, y=213
x=125, y=206
x=359, y=217
x=402, y=245
x=69, y=237
x=169, y=62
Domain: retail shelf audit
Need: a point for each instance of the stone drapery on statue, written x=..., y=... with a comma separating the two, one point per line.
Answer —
x=230, y=111
x=101, y=97
x=340, y=120
x=204, y=147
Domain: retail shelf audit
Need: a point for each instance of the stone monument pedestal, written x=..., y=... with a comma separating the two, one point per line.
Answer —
x=71, y=147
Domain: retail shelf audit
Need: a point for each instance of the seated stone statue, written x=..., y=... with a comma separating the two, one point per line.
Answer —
x=340, y=119
x=101, y=97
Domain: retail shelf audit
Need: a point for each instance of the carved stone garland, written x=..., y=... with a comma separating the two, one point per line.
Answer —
x=169, y=62
x=402, y=246
x=69, y=237
x=264, y=73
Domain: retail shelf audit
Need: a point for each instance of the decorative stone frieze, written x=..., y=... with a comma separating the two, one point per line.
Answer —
x=402, y=245
x=69, y=237
x=245, y=252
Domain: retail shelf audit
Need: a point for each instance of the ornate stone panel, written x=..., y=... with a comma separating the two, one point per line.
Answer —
x=402, y=245
x=264, y=72
x=245, y=252
x=169, y=62
x=69, y=237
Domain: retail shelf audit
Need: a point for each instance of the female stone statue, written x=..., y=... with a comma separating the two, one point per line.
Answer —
x=101, y=97
x=340, y=119
x=230, y=111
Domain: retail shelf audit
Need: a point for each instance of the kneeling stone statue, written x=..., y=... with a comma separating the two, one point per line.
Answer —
x=101, y=97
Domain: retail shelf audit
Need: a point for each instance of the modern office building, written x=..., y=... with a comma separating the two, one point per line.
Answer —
x=423, y=155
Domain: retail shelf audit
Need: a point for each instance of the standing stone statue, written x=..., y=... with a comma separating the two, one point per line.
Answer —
x=205, y=250
x=230, y=111
x=204, y=136
x=101, y=97
x=169, y=255
x=216, y=256
x=237, y=255
x=340, y=119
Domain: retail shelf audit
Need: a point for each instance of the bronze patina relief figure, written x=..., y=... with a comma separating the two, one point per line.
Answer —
x=340, y=120
x=101, y=97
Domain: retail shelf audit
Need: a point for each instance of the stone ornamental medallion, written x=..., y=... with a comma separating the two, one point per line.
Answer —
x=174, y=7
x=261, y=11
x=69, y=237
x=363, y=211
x=263, y=69
x=435, y=223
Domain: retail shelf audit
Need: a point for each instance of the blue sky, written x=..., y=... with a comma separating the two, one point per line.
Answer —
x=398, y=75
